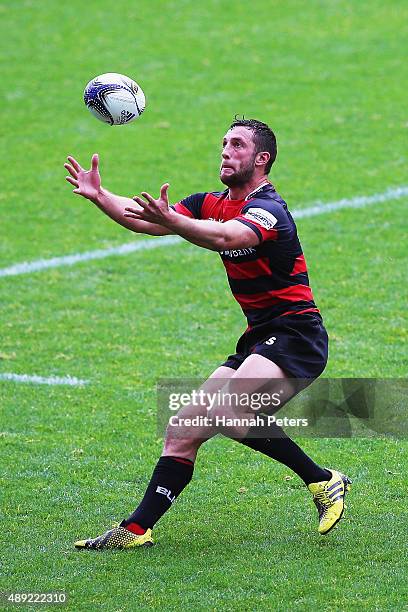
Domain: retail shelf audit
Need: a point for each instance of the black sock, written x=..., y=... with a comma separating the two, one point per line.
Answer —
x=281, y=448
x=170, y=476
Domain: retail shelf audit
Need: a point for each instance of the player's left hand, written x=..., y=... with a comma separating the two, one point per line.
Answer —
x=151, y=210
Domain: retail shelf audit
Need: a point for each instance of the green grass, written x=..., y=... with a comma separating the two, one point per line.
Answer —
x=328, y=76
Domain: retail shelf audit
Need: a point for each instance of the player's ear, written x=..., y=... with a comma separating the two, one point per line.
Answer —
x=262, y=158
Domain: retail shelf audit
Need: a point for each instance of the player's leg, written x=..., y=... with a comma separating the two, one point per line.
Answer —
x=171, y=475
x=328, y=487
x=184, y=441
x=174, y=469
x=277, y=445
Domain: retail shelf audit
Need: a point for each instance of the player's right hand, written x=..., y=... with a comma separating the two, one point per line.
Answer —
x=87, y=183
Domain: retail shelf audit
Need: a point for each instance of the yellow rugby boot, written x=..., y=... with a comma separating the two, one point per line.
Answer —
x=329, y=499
x=116, y=538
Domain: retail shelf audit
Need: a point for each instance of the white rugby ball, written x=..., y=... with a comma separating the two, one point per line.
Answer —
x=114, y=98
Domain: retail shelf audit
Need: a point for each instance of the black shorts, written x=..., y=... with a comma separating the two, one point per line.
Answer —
x=296, y=343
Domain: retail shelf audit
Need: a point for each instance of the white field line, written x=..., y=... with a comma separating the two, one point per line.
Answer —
x=44, y=380
x=318, y=208
x=26, y=267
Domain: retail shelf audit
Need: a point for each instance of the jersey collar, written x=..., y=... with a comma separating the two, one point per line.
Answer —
x=259, y=188
x=252, y=193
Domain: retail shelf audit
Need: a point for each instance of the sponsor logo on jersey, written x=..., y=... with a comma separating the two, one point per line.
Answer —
x=262, y=217
x=238, y=252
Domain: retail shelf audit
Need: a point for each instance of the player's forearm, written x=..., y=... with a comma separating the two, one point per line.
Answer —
x=204, y=233
x=114, y=206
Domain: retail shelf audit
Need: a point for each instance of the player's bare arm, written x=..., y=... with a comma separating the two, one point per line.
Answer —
x=205, y=233
x=87, y=184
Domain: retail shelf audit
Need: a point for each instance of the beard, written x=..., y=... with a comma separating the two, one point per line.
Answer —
x=241, y=177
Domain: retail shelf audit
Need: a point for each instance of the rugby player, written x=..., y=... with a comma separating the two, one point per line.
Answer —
x=250, y=226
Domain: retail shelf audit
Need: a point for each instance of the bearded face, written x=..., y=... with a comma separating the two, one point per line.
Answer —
x=238, y=157
x=232, y=177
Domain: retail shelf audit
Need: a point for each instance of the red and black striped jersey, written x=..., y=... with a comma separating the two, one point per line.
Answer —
x=269, y=280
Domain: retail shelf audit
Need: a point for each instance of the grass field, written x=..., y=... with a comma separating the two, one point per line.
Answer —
x=329, y=77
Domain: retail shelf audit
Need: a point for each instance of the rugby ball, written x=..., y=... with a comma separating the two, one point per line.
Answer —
x=114, y=98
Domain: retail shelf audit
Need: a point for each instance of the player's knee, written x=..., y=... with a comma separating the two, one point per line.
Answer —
x=181, y=447
x=179, y=437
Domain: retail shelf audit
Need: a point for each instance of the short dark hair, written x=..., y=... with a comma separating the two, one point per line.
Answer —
x=263, y=137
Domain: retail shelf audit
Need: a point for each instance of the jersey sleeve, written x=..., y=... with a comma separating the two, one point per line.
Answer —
x=191, y=206
x=267, y=219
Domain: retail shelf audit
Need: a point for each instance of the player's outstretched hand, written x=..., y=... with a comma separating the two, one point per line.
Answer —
x=87, y=183
x=149, y=209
